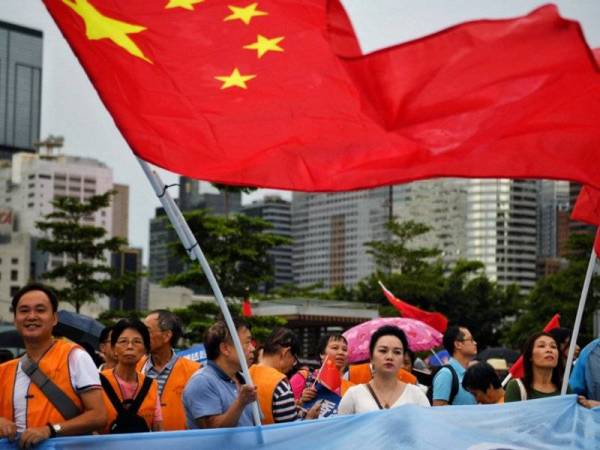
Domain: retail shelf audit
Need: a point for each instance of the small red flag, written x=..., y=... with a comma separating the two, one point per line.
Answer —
x=517, y=370
x=597, y=243
x=246, y=308
x=329, y=375
x=434, y=319
x=587, y=206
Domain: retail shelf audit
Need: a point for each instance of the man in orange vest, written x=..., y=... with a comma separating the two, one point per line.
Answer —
x=26, y=408
x=170, y=371
x=275, y=396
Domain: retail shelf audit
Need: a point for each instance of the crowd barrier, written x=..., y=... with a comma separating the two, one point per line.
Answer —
x=552, y=423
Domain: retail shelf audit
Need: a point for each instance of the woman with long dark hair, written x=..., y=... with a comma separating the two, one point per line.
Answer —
x=543, y=369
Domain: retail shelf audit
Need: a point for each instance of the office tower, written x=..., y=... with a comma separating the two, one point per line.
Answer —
x=120, y=211
x=275, y=210
x=20, y=88
x=192, y=195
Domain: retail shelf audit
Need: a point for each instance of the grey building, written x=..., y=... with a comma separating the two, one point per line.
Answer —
x=492, y=221
x=192, y=195
x=128, y=260
x=277, y=211
x=20, y=88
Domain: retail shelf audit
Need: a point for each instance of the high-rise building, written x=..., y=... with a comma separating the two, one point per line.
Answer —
x=192, y=195
x=329, y=232
x=275, y=210
x=120, y=211
x=20, y=88
x=128, y=260
x=28, y=184
x=492, y=221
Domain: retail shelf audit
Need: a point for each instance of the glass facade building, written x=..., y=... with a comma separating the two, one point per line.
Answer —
x=20, y=88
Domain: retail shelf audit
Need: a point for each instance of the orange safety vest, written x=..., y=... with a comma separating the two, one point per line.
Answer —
x=266, y=380
x=147, y=407
x=171, y=401
x=361, y=374
x=40, y=411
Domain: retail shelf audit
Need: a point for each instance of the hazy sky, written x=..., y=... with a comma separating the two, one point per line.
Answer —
x=71, y=107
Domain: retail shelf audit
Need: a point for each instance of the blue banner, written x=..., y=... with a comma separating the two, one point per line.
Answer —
x=196, y=352
x=552, y=423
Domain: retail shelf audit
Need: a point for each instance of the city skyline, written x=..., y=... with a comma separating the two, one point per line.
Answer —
x=71, y=107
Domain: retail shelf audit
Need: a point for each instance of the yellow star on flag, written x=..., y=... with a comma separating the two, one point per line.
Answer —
x=185, y=4
x=98, y=26
x=235, y=79
x=264, y=45
x=244, y=14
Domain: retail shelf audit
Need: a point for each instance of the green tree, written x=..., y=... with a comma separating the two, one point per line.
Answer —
x=236, y=248
x=559, y=293
x=396, y=253
x=86, y=270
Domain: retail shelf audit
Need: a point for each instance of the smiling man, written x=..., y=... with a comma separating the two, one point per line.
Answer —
x=70, y=402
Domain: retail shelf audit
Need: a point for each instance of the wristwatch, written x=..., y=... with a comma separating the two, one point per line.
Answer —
x=55, y=429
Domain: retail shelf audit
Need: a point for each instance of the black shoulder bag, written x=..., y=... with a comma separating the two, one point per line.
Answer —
x=128, y=420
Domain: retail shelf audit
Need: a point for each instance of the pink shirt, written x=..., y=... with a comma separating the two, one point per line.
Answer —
x=128, y=389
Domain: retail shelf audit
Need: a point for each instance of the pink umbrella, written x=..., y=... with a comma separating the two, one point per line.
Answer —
x=420, y=336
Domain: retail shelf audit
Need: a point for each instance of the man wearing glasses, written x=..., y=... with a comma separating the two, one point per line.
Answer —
x=447, y=383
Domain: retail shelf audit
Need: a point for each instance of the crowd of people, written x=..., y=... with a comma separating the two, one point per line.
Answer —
x=142, y=385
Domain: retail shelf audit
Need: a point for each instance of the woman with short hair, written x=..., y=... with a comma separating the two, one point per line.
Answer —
x=125, y=388
x=384, y=391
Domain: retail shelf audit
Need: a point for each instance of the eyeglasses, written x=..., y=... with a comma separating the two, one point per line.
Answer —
x=125, y=342
x=467, y=339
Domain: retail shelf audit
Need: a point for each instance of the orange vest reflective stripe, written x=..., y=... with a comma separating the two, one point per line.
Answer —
x=40, y=411
x=361, y=374
x=266, y=380
x=147, y=407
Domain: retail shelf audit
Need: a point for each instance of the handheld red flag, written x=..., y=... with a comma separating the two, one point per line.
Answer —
x=246, y=308
x=434, y=319
x=329, y=375
x=587, y=209
x=517, y=370
x=273, y=94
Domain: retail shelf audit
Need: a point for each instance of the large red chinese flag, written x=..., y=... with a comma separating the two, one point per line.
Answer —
x=434, y=319
x=271, y=93
x=517, y=370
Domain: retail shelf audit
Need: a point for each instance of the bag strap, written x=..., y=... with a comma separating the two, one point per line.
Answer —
x=455, y=384
x=374, y=396
x=141, y=395
x=522, y=389
x=61, y=401
x=112, y=395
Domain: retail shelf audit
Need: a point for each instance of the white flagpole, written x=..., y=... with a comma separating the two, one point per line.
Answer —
x=195, y=252
x=578, y=317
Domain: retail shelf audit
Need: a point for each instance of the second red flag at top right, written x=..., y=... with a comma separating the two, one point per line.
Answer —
x=587, y=209
x=276, y=94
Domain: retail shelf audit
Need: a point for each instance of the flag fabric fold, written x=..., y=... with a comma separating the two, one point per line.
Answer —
x=587, y=209
x=434, y=319
x=517, y=370
x=266, y=94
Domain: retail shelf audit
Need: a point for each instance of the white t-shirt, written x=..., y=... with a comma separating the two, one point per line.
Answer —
x=84, y=375
x=358, y=399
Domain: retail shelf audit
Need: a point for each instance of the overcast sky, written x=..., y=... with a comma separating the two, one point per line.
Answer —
x=71, y=107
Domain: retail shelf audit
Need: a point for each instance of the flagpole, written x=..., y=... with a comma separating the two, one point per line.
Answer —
x=195, y=252
x=578, y=317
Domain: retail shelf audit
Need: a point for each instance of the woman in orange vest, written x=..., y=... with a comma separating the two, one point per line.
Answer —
x=274, y=393
x=336, y=347
x=130, y=341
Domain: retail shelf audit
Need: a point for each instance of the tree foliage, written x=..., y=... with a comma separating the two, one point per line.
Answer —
x=236, y=248
x=85, y=246
x=559, y=293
